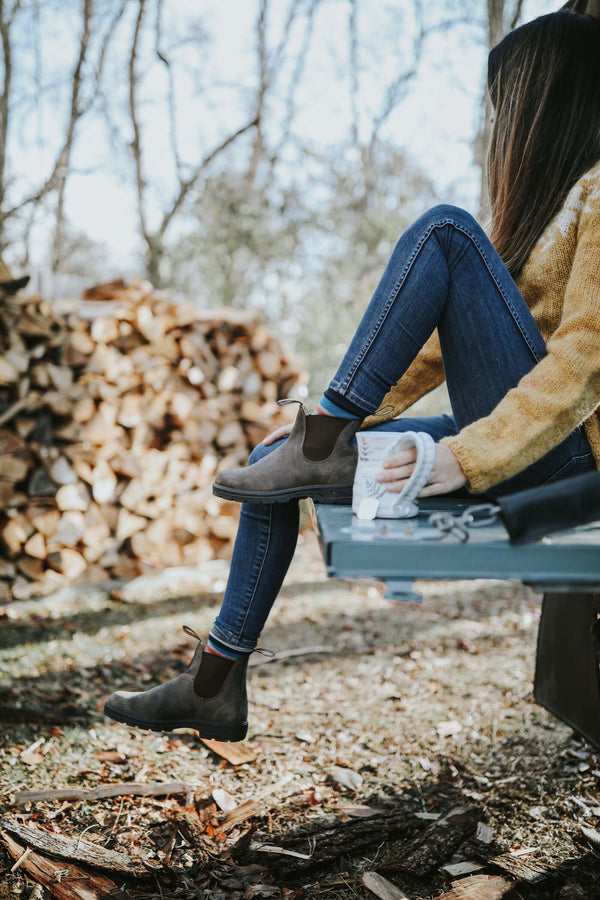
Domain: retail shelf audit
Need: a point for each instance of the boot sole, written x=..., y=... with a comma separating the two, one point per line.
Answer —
x=321, y=493
x=219, y=731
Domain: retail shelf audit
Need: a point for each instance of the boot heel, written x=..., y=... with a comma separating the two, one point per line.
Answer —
x=339, y=494
x=222, y=732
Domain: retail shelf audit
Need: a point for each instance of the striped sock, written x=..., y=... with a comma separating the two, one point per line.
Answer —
x=326, y=407
x=218, y=649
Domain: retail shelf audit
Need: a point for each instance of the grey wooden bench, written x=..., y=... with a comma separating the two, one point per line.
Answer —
x=564, y=566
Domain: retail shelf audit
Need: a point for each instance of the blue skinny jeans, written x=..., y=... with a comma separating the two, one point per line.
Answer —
x=444, y=272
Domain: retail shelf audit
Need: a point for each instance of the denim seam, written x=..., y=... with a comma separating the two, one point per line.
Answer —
x=262, y=564
x=343, y=386
x=237, y=636
x=573, y=459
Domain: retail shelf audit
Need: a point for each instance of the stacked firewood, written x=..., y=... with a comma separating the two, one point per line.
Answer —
x=116, y=412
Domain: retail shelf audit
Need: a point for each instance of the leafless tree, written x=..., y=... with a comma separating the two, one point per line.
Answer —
x=78, y=108
x=8, y=13
x=394, y=92
x=154, y=239
x=83, y=81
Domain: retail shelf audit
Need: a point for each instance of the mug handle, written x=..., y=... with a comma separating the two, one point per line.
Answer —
x=405, y=505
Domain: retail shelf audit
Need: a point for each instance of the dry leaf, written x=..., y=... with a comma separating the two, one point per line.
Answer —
x=113, y=756
x=359, y=812
x=223, y=799
x=346, y=778
x=236, y=754
x=32, y=756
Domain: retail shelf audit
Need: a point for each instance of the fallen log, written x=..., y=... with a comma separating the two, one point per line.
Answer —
x=429, y=849
x=330, y=842
x=65, y=881
x=78, y=849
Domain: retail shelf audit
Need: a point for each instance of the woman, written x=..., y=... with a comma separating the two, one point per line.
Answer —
x=511, y=321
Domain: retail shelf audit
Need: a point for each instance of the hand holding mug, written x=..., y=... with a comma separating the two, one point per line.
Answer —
x=446, y=474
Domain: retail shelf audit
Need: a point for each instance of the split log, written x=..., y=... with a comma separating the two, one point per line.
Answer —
x=478, y=887
x=531, y=871
x=116, y=413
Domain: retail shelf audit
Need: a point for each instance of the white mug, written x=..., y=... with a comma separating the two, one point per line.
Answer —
x=370, y=498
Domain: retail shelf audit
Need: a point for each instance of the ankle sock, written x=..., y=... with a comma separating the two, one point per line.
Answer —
x=215, y=647
x=211, y=675
x=214, y=669
x=326, y=408
x=334, y=404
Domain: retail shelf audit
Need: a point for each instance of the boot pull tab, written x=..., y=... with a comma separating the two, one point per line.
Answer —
x=264, y=651
x=293, y=400
x=191, y=632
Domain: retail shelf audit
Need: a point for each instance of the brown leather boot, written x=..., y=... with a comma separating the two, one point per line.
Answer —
x=318, y=460
x=210, y=697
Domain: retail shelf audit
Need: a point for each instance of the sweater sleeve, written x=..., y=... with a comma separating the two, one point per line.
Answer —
x=558, y=394
x=425, y=373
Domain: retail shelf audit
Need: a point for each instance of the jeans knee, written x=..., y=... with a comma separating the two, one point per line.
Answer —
x=447, y=212
x=257, y=453
x=264, y=449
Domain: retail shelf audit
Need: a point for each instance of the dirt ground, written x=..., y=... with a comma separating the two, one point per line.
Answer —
x=401, y=739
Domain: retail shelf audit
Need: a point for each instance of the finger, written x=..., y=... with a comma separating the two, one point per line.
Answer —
x=431, y=489
x=400, y=459
x=275, y=435
x=397, y=474
x=396, y=486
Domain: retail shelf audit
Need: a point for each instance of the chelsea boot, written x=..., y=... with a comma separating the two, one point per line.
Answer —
x=318, y=460
x=209, y=697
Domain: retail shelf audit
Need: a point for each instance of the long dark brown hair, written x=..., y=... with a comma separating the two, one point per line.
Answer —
x=544, y=84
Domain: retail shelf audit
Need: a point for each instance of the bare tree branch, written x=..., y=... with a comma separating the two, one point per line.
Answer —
x=186, y=186
x=396, y=88
x=262, y=55
x=516, y=14
x=57, y=178
x=38, y=68
x=295, y=81
x=5, y=24
x=354, y=70
x=110, y=31
x=154, y=239
x=171, y=105
x=136, y=148
x=289, y=21
x=61, y=169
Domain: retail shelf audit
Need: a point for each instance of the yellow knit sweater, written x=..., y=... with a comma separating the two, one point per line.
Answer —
x=560, y=282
